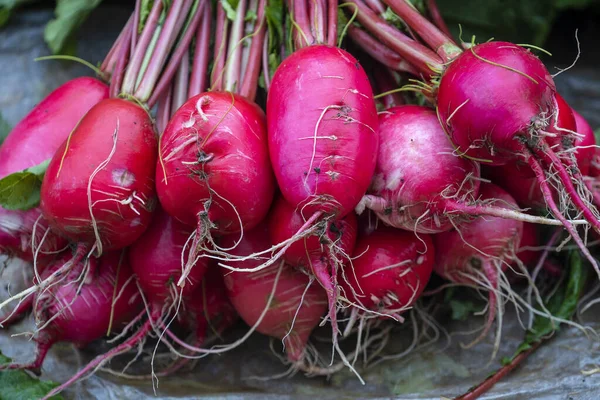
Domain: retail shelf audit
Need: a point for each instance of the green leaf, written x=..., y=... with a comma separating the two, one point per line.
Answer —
x=21, y=190
x=70, y=15
x=462, y=309
x=597, y=135
x=4, y=129
x=274, y=15
x=230, y=7
x=7, y=7
x=18, y=385
x=145, y=8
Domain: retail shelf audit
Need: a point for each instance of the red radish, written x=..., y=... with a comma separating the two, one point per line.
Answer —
x=514, y=179
x=321, y=253
x=214, y=171
x=412, y=141
x=586, y=149
x=531, y=250
x=389, y=271
x=103, y=198
x=79, y=312
x=479, y=251
x=34, y=140
x=280, y=301
x=495, y=101
x=156, y=261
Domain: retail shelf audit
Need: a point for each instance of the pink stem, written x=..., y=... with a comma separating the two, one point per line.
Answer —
x=145, y=92
x=442, y=44
x=220, y=49
x=233, y=64
x=136, y=25
x=180, y=84
x=317, y=17
x=413, y=52
x=380, y=52
x=137, y=58
x=376, y=5
x=550, y=158
x=265, y=64
x=163, y=114
x=201, y=54
x=101, y=359
x=437, y=18
x=332, y=16
x=249, y=83
x=304, y=36
x=492, y=275
x=119, y=71
x=324, y=277
x=113, y=54
x=549, y=198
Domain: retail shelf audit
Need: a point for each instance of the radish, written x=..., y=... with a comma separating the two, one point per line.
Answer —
x=389, y=271
x=52, y=119
x=321, y=253
x=495, y=101
x=277, y=301
x=79, y=312
x=477, y=253
x=586, y=146
x=213, y=170
x=412, y=141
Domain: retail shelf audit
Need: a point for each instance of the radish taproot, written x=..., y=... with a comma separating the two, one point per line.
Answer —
x=477, y=253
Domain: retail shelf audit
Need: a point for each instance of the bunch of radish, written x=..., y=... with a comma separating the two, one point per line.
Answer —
x=176, y=194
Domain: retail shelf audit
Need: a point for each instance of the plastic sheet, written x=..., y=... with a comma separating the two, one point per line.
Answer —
x=553, y=372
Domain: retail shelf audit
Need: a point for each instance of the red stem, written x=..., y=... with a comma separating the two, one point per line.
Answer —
x=386, y=82
x=167, y=76
x=437, y=18
x=137, y=58
x=111, y=58
x=180, y=84
x=376, y=5
x=380, y=52
x=249, y=82
x=265, y=63
x=36, y=365
x=442, y=44
x=332, y=16
x=321, y=271
x=101, y=359
x=235, y=48
x=119, y=71
x=163, y=114
x=220, y=49
x=304, y=36
x=483, y=387
x=201, y=54
x=413, y=52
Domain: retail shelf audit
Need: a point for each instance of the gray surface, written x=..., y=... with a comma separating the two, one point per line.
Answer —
x=554, y=372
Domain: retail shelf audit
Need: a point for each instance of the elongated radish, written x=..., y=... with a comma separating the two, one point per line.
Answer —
x=412, y=141
x=279, y=301
x=321, y=254
x=79, y=312
x=478, y=252
x=33, y=140
x=389, y=271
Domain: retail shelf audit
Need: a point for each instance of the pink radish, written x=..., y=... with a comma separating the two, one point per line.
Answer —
x=52, y=119
x=322, y=253
x=389, y=271
x=402, y=196
x=479, y=251
x=280, y=301
x=15, y=275
x=78, y=312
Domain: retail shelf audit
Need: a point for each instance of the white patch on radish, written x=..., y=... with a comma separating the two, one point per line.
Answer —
x=135, y=222
x=394, y=180
x=420, y=260
x=189, y=123
x=123, y=177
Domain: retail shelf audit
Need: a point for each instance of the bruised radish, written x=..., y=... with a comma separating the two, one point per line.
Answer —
x=78, y=312
x=33, y=140
x=389, y=271
x=214, y=172
x=292, y=305
x=103, y=198
x=320, y=254
x=479, y=251
x=403, y=196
